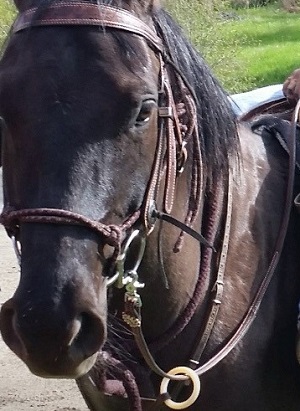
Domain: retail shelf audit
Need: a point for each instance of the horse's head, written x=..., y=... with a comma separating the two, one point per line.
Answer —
x=79, y=104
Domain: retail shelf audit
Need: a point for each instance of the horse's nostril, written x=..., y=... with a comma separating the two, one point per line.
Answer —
x=90, y=336
x=6, y=323
x=9, y=329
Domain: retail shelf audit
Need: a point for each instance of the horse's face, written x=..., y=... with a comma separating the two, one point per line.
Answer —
x=79, y=107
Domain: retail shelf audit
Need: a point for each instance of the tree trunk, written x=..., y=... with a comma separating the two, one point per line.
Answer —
x=291, y=5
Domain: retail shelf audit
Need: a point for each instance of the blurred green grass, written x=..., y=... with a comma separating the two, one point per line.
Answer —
x=267, y=46
x=246, y=48
x=7, y=14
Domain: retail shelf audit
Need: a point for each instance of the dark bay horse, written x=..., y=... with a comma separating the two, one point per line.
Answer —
x=117, y=141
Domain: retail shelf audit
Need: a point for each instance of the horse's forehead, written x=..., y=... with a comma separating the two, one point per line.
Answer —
x=126, y=60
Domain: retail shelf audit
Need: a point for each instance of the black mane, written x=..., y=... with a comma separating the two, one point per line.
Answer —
x=216, y=118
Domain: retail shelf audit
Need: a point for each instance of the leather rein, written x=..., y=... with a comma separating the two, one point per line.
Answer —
x=173, y=137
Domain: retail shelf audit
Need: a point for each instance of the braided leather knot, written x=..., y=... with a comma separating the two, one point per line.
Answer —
x=132, y=310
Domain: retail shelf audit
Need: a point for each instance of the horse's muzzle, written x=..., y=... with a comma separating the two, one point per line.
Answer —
x=55, y=350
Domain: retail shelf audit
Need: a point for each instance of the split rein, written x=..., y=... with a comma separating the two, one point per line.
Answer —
x=177, y=136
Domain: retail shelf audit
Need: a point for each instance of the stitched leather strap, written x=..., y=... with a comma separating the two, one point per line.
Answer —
x=87, y=14
x=219, y=284
x=256, y=302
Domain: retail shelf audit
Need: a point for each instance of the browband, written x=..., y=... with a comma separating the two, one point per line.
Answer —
x=87, y=14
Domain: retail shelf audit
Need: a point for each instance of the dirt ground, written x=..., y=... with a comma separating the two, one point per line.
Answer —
x=19, y=389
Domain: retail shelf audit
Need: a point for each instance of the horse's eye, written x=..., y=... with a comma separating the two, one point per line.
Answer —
x=145, y=112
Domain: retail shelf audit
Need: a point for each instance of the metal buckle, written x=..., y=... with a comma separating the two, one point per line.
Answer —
x=129, y=278
x=166, y=112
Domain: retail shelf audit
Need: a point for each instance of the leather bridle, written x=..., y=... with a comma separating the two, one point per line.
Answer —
x=169, y=160
x=170, y=155
x=171, y=142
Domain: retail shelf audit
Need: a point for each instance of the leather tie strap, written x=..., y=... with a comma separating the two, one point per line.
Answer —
x=190, y=231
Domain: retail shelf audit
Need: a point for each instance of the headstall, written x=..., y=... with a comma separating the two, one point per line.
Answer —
x=170, y=157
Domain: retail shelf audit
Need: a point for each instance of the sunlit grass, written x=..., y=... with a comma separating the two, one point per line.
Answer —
x=246, y=48
x=7, y=14
x=267, y=46
x=204, y=27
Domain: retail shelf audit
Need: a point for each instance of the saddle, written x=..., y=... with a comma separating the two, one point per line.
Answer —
x=281, y=108
x=275, y=118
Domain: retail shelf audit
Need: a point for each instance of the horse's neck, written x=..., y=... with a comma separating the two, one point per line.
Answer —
x=258, y=198
x=177, y=282
x=249, y=250
x=253, y=230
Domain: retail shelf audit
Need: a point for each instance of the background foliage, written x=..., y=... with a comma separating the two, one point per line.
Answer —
x=7, y=13
x=253, y=44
